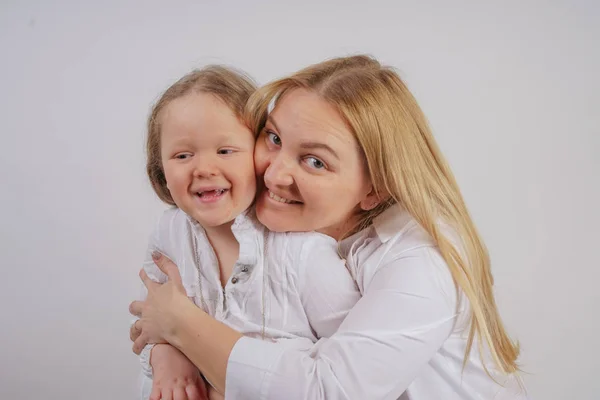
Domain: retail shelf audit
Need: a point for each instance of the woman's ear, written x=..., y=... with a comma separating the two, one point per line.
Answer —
x=372, y=200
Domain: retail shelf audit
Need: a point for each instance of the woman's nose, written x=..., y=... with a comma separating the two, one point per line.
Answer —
x=279, y=172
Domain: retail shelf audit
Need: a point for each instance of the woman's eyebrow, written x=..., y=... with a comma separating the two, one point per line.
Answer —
x=321, y=146
x=307, y=145
x=272, y=120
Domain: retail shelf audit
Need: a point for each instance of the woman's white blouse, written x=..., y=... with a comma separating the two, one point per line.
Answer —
x=405, y=338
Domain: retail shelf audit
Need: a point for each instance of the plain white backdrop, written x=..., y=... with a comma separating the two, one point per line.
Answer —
x=511, y=90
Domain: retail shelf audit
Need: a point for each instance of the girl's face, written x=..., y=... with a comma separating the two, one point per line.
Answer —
x=207, y=157
x=315, y=177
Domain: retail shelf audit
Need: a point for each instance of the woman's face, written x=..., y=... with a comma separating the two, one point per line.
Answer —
x=315, y=177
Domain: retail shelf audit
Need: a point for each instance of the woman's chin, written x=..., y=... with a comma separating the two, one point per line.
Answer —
x=275, y=221
x=272, y=224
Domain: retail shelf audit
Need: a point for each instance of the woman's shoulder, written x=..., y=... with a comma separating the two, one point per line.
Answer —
x=300, y=250
x=396, y=240
x=392, y=233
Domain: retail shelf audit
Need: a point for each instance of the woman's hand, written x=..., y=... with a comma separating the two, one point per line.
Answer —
x=160, y=311
x=214, y=395
x=167, y=315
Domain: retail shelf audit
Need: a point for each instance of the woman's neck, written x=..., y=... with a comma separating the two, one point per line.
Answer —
x=226, y=248
x=343, y=229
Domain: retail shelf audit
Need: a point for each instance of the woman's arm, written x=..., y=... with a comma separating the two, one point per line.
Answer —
x=407, y=312
x=206, y=342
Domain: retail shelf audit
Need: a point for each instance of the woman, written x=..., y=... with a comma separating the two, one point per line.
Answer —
x=346, y=151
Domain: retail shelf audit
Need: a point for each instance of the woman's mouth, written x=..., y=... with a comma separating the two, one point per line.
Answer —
x=280, y=199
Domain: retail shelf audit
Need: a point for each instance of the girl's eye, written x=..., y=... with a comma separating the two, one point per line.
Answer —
x=225, y=151
x=315, y=163
x=273, y=138
x=182, y=156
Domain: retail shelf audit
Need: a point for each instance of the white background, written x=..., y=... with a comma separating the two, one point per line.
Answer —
x=511, y=90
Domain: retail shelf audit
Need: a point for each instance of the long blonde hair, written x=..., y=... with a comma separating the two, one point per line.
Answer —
x=406, y=165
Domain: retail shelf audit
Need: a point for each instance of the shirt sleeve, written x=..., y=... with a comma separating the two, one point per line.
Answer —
x=156, y=275
x=406, y=313
x=327, y=290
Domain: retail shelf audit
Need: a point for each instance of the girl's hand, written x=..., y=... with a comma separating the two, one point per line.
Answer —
x=174, y=376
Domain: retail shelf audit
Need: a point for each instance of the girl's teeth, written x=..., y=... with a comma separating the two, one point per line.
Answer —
x=217, y=192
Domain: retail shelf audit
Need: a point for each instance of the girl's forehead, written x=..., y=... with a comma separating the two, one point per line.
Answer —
x=210, y=130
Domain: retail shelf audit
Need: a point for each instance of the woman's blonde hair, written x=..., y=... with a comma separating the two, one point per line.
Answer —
x=231, y=86
x=405, y=166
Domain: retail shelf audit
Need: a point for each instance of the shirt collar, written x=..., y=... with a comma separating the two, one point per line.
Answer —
x=247, y=231
x=391, y=221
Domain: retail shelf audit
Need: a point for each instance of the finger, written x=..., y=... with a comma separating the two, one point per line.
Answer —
x=214, y=395
x=179, y=394
x=167, y=394
x=136, y=308
x=139, y=344
x=135, y=331
x=155, y=395
x=195, y=393
x=149, y=283
x=167, y=267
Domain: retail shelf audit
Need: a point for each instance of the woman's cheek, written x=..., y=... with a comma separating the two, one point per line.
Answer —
x=261, y=159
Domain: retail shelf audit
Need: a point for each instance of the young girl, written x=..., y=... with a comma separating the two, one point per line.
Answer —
x=265, y=285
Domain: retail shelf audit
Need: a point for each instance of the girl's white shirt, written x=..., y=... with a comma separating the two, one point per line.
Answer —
x=297, y=280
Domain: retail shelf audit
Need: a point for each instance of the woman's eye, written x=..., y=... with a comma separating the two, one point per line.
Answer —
x=315, y=163
x=273, y=138
x=225, y=151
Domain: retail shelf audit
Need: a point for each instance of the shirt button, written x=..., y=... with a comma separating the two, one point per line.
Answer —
x=234, y=280
x=245, y=268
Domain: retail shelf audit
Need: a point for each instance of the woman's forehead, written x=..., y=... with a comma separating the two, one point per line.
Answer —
x=304, y=115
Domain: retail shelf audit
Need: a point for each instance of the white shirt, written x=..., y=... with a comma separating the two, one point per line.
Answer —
x=308, y=290
x=405, y=339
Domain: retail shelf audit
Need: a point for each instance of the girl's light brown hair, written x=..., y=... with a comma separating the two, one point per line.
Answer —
x=231, y=86
x=406, y=167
